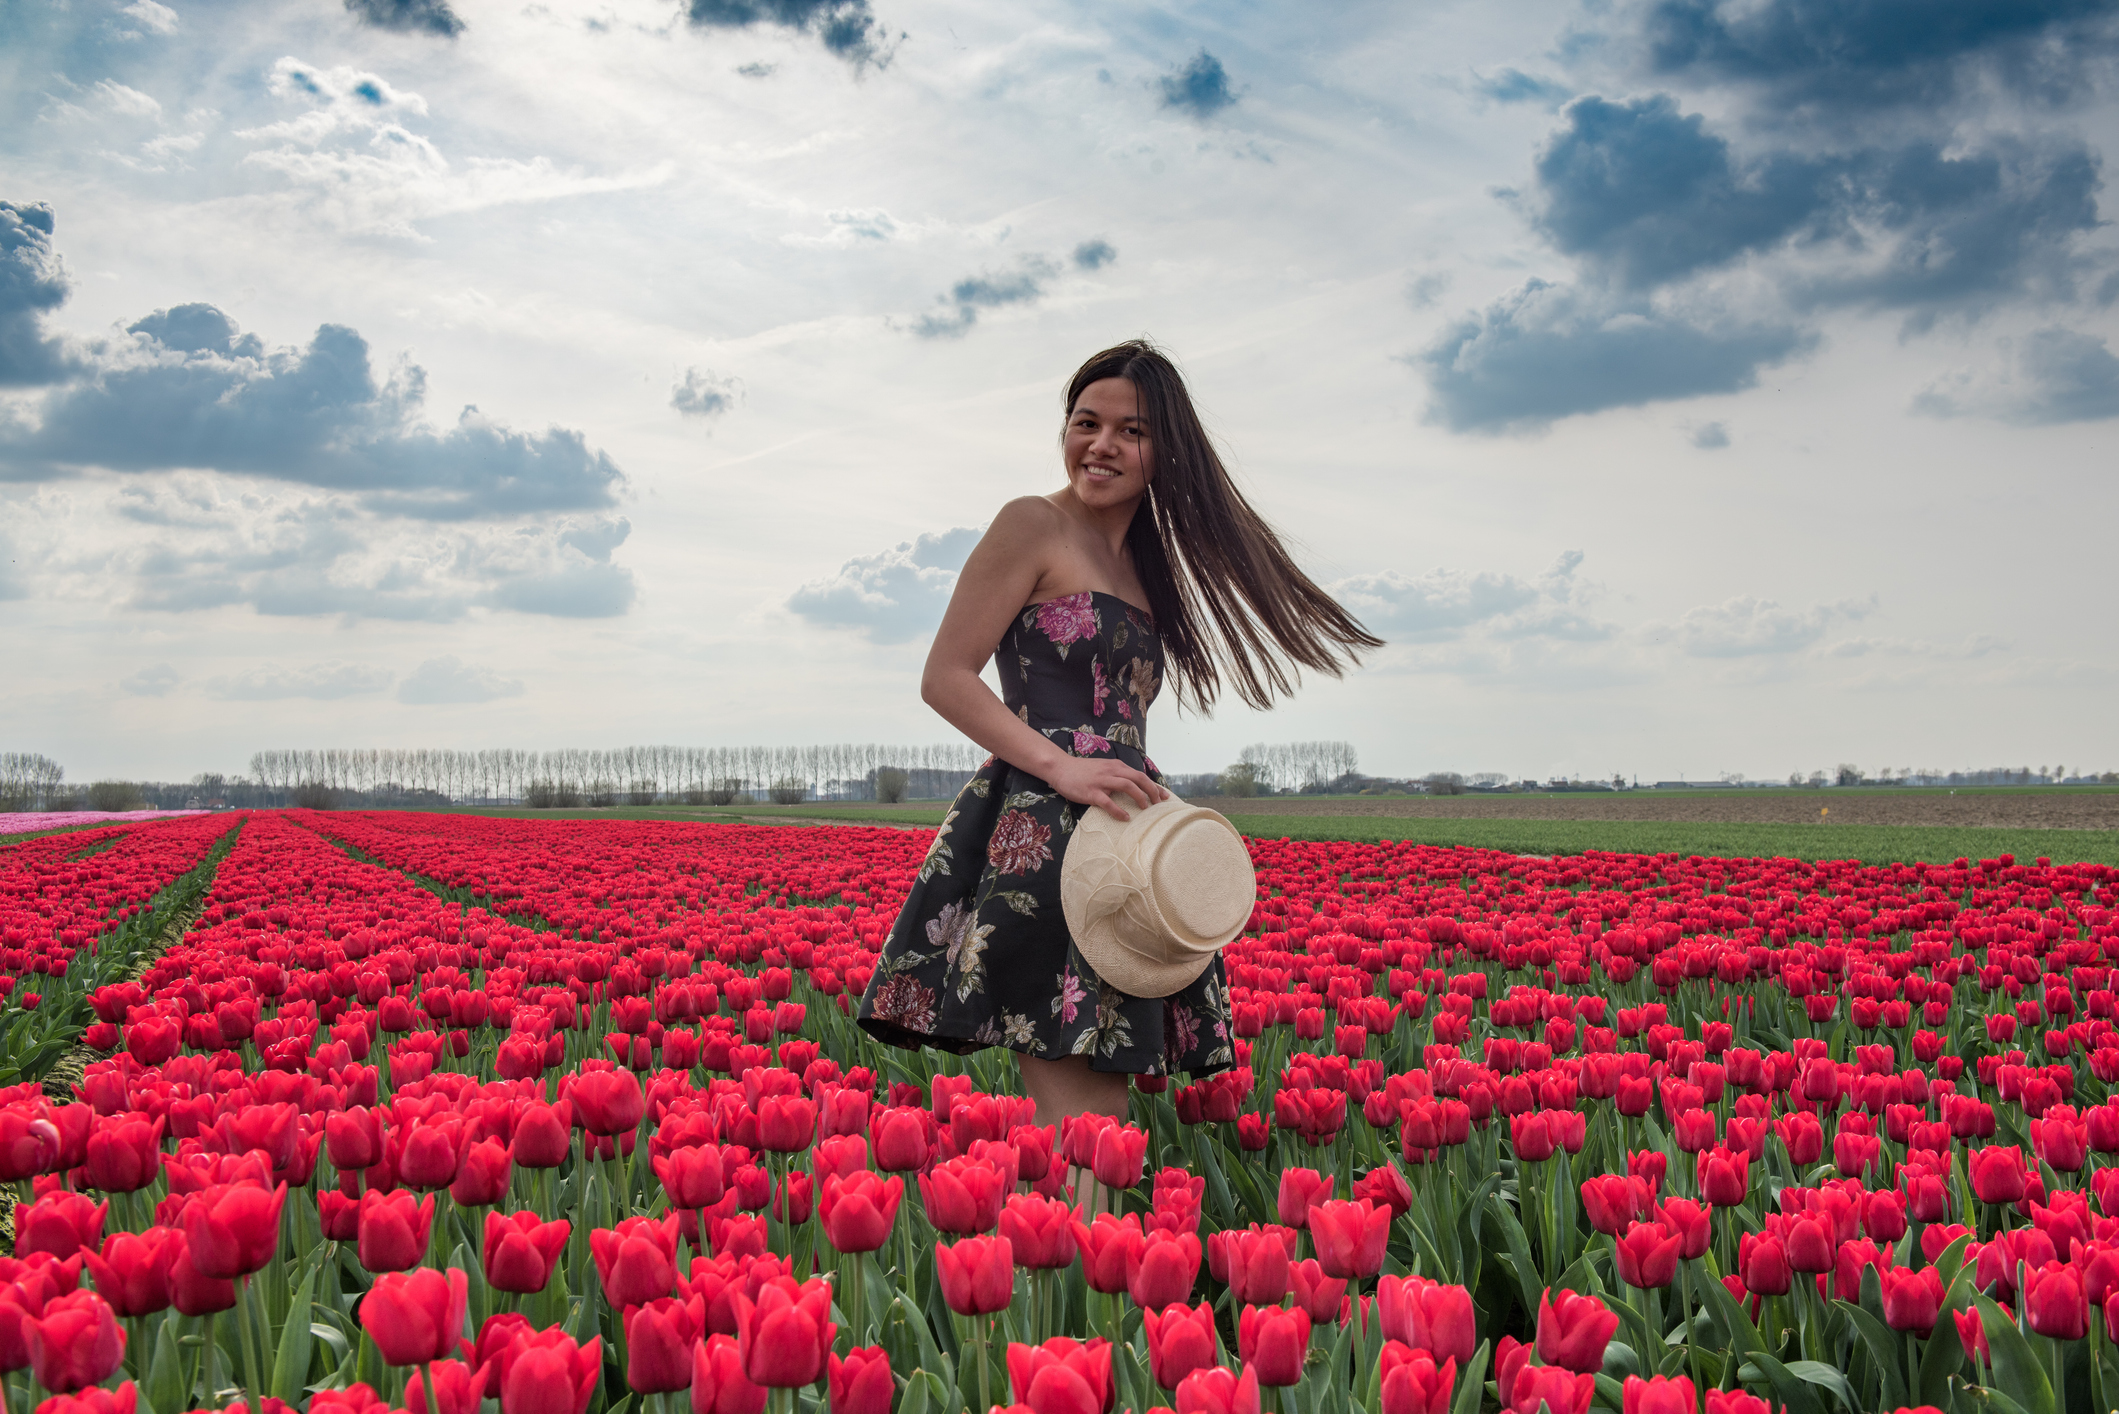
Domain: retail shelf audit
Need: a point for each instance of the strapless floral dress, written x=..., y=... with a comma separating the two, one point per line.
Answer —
x=980, y=955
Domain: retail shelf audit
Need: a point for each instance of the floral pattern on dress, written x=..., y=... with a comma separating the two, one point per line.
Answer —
x=981, y=956
x=1020, y=845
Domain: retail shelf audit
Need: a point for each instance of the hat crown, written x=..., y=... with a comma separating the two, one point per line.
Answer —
x=1150, y=900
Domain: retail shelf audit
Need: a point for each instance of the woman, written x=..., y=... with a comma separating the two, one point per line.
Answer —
x=1148, y=564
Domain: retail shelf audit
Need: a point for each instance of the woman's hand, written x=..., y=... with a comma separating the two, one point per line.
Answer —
x=1112, y=785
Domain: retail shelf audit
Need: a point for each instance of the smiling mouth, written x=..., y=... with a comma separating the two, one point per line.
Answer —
x=1091, y=469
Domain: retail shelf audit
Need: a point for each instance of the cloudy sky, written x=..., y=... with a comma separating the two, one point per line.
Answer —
x=1681, y=387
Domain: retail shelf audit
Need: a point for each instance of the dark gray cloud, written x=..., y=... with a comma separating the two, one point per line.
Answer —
x=989, y=290
x=847, y=28
x=1864, y=54
x=701, y=393
x=408, y=16
x=314, y=415
x=1646, y=196
x=32, y=283
x=2051, y=376
x=449, y=679
x=1200, y=87
x=1549, y=351
x=1095, y=255
x=1515, y=86
x=894, y=596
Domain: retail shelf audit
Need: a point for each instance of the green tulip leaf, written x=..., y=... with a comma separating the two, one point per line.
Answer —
x=1944, y=1356
x=1883, y=1346
x=2017, y=1370
x=1824, y=1376
x=164, y=1385
x=1471, y=1382
x=290, y=1367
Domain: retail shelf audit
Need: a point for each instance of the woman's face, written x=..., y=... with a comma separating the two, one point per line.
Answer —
x=1109, y=460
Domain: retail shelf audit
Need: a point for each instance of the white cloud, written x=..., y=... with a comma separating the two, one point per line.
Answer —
x=893, y=596
x=324, y=682
x=1446, y=604
x=1747, y=625
x=128, y=101
x=155, y=681
x=157, y=19
x=450, y=680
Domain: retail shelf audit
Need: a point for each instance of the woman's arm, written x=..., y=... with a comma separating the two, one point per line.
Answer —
x=999, y=578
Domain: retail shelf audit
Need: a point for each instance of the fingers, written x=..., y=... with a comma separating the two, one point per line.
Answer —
x=1110, y=806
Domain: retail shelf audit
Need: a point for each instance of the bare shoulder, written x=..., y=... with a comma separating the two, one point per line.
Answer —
x=1026, y=517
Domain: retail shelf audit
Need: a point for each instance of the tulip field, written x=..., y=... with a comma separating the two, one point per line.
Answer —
x=354, y=1113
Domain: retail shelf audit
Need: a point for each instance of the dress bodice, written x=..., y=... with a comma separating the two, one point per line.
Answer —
x=1083, y=669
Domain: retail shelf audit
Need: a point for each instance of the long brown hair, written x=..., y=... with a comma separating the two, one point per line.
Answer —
x=1225, y=594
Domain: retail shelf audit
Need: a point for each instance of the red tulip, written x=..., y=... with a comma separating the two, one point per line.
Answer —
x=1181, y=1339
x=861, y=1383
x=1257, y=1266
x=484, y=1175
x=963, y=1196
x=429, y=1153
x=458, y=1389
x=1648, y=1256
x=860, y=1212
x=786, y=1123
x=2054, y=1303
x=1109, y=1247
x=1165, y=1269
x=191, y=1291
x=1762, y=1261
x=1273, y=1343
x=636, y=1261
x=787, y=1331
x=75, y=1343
x=233, y=1229
x=548, y=1373
x=607, y=1102
x=1912, y=1299
x=1121, y=1151
x=1413, y=1383
x=1062, y=1376
x=521, y=1250
x=132, y=1273
x=124, y=1153
x=415, y=1316
x=1350, y=1237
x=693, y=1176
x=1573, y=1331
x=1039, y=1231
x=1690, y=1221
x=60, y=1223
x=1218, y=1390
x=719, y=1385
x=1300, y=1191
x=1998, y=1174
x=1738, y=1401
x=1322, y=1296
x=1614, y=1200
x=394, y=1230
x=1725, y=1177
x=1531, y=1136
x=1553, y=1388
x=977, y=1274
x=1660, y=1395
x=543, y=1135
x=658, y=1344
x=353, y=1139
x=903, y=1138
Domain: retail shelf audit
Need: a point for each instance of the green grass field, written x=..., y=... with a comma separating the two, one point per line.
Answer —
x=1871, y=844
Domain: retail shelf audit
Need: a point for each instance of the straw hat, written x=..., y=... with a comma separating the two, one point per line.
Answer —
x=1152, y=899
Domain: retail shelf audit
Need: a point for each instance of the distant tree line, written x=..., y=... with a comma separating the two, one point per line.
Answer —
x=630, y=775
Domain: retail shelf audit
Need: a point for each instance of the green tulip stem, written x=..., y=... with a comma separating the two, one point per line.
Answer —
x=247, y=1318
x=429, y=1395
x=979, y=1325
x=855, y=1300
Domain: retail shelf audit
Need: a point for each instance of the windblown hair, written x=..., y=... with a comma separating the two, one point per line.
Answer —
x=1225, y=594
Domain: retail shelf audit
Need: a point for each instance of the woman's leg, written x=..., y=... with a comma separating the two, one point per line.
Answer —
x=1066, y=1088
